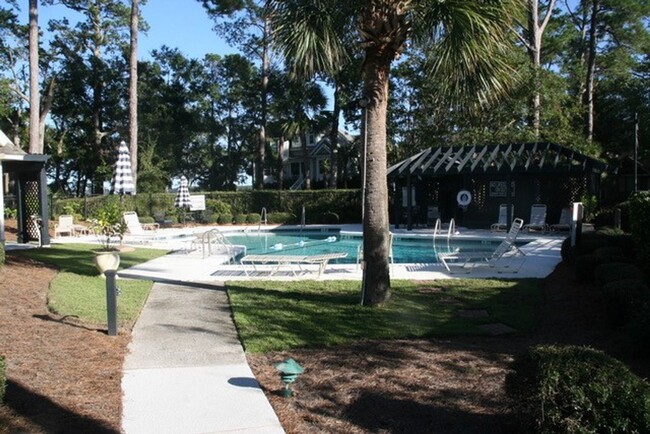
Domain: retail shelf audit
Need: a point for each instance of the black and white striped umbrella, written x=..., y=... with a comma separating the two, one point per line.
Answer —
x=122, y=182
x=183, y=196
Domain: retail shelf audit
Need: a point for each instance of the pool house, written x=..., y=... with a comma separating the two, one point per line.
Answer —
x=469, y=183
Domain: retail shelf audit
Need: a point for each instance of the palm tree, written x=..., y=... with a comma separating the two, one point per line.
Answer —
x=468, y=40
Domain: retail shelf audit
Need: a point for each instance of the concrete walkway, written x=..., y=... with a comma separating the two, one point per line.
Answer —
x=187, y=372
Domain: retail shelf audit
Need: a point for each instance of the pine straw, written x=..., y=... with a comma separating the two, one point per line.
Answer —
x=61, y=375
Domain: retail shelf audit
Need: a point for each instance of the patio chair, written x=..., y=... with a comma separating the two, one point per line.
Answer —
x=564, y=223
x=502, y=223
x=137, y=231
x=537, y=218
x=507, y=249
x=64, y=226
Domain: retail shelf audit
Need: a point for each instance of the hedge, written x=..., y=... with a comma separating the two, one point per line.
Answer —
x=343, y=206
x=569, y=389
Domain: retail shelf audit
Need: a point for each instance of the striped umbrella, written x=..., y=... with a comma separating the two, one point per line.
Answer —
x=122, y=182
x=183, y=196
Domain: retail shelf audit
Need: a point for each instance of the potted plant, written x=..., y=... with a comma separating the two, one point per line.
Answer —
x=109, y=227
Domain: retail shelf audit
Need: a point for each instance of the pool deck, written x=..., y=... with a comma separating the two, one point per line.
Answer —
x=182, y=265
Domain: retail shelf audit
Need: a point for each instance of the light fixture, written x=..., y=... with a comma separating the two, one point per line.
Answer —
x=289, y=371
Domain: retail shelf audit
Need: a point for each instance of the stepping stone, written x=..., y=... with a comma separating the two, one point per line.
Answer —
x=450, y=301
x=472, y=313
x=497, y=329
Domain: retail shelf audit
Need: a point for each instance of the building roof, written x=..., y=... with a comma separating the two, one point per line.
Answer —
x=15, y=159
x=496, y=159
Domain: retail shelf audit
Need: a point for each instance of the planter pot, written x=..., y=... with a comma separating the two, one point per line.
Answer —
x=107, y=260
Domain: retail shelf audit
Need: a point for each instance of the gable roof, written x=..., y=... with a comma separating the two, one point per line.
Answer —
x=497, y=159
x=15, y=159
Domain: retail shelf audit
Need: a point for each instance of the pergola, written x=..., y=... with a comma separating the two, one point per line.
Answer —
x=519, y=174
x=30, y=190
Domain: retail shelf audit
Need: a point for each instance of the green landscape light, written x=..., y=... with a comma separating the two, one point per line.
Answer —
x=289, y=371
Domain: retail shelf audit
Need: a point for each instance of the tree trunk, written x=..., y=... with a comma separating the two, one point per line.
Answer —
x=281, y=163
x=306, y=164
x=261, y=152
x=334, y=136
x=534, y=45
x=588, y=95
x=376, y=271
x=35, y=146
x=133, y=91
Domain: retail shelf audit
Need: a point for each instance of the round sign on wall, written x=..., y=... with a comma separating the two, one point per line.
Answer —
x=464, y=197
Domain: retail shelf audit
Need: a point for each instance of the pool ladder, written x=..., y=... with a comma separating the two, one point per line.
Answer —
x=437, y=230
x=263, y=219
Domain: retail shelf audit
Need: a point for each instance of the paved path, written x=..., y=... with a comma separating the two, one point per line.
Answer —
x=186, y=371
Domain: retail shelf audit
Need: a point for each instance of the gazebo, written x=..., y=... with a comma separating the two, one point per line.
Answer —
x=29, y=183
x=434, y=183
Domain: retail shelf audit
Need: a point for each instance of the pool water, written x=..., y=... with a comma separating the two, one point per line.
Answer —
x=405, y=250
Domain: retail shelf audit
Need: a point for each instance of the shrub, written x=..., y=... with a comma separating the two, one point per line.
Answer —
x=577, y=389
x=638, y=331
x=609, y=251
x=217, y=206
x=146, y=219
x=613, y=271
x=3, y=379
x=253, y=219
x=639, y=218
x=240, y=219
x=224, y=219
x=585, y=265
x=282, y=218
x=621, y=298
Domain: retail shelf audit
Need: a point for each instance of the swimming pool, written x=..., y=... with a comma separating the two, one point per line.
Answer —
x=406, y=250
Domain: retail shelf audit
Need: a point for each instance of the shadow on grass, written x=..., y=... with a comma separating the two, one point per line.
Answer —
x=47, y=414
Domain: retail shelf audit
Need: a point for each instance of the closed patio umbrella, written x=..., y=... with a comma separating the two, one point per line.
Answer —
x=183, y=198
x=122, y=182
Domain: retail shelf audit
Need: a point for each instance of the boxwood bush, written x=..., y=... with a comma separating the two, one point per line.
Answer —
x=613, y=271
x=240, y=219
x=224, y=219
x=638, y=331
x=285, y=218
x=253, y=219
x=622, y=299
x=585, y=265
x=569, y=389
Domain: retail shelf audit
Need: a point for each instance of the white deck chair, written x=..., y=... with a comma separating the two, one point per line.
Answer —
x=537, y=218
x=503, y=250
x=136, y=231
x=502, y=222
x=290, y=261
x=64, y=226
x=564, y=223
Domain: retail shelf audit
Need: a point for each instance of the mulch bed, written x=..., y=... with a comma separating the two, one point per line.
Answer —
x=64, y=376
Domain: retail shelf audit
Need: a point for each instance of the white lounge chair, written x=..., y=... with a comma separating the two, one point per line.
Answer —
x=290, y=261
x=137, y=231
x=564, y=223
x=502, y=222
x=537, y=218
x=507, y=248
x=64, y=226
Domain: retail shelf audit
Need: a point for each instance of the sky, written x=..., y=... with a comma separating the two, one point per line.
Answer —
x=181, y=24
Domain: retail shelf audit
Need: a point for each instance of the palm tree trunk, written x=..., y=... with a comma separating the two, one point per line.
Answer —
x=376, y=272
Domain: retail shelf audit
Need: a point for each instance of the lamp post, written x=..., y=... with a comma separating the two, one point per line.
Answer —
x=289, y=371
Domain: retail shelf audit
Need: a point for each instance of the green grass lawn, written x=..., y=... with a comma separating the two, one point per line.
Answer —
x=282, y=315
x=79, y=291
